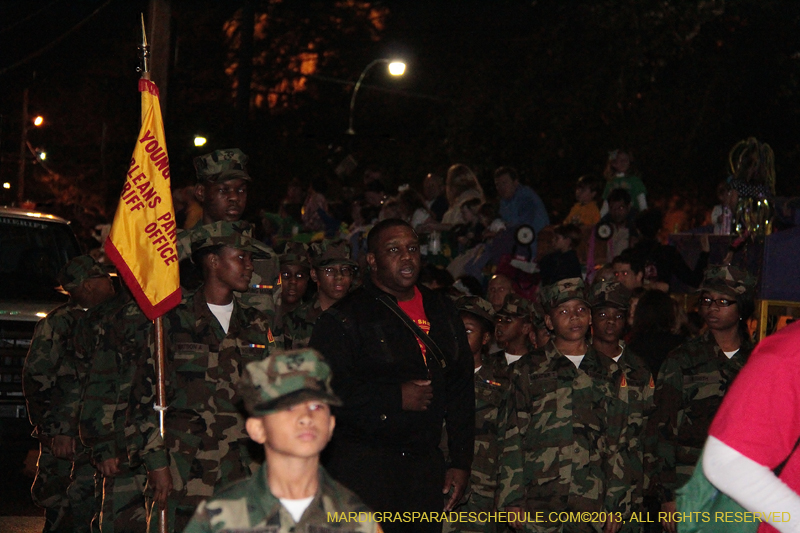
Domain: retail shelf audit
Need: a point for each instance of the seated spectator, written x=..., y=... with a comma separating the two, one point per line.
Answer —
x=470, y=233
x=435, y=199
x=722, y=214
x=462, y=185
x=663, y=261
x=413, y=208
x=315, y=202
x=519, y=204
x=585, y=211
x=618, y=176
x=563, y=261
x=629, y=269
x=616, y=230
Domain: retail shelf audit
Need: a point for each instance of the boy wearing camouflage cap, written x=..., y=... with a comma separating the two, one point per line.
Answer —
x=295, y=274
x=211, y=336
x=333, y=271
x=539, y=335
x=53, y=394
x=563, y=425
x=610, y=301
x=288, y=399
x=491, y=386
x=512, y=326
x=695, y=376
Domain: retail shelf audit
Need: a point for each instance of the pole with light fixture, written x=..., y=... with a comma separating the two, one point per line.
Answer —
x=23, y=145
x=396, y=68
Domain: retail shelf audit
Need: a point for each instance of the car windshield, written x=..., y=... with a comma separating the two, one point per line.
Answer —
x=32, y=251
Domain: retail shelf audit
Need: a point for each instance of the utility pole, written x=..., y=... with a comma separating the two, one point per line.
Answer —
x=23, y=145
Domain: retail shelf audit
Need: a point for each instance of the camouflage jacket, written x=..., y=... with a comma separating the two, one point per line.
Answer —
x=264, y=292
x=637, y=391
x=691, y=384
x=48, y=374
x=298, y=324
x=111, y=337
x=563, y=432
x=491, y=388
x=205, y=443
x=250, y=506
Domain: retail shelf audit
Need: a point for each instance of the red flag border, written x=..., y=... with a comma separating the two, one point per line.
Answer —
x=151, y=311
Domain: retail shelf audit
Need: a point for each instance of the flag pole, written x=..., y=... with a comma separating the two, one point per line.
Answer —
x=158, y=323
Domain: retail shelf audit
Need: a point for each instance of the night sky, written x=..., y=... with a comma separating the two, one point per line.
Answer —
x=549, y=87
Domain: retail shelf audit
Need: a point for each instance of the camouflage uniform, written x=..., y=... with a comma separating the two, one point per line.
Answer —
x=491, y=387
x=563, y=432
x=51, y=383
x=636, y=391
x=114, y=335
x=40, y=376
x=205, y=445
x=295, y=253
x=299, y=323
x=691, y=385
x=282, y=381
x=264, y=292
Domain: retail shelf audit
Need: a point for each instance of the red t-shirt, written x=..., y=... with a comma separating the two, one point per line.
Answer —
x=759, y=416
x=415, y=310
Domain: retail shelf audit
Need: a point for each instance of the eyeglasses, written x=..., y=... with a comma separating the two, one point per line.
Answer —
x=297, y=275
x=345, y=272
x=721, y=302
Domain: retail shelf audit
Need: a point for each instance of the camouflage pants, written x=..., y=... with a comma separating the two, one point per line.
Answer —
x=84, y=502
x=66, y=491
x=178, y=516
x=476, y=504
x=49, y=490
x=123, y=504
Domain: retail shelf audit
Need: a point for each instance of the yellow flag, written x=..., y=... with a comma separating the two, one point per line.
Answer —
x=142, y=239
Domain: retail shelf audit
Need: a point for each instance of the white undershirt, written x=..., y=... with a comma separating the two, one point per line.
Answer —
x=576, y=359
x=223, y=314
x=511, y=358
x=296, y=508
x=754, y=486
x=731, y=354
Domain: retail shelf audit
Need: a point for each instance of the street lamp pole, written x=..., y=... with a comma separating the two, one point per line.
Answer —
x=23, y=146
x=350, y=130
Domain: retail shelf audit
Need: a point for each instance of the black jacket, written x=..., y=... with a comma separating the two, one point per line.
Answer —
x=371, y=353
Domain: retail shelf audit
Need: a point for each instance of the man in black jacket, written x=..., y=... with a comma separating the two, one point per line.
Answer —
x=398, y=385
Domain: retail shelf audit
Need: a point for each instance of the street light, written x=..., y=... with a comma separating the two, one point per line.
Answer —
x=38, y=121
x=396, y=68
x=199, y=141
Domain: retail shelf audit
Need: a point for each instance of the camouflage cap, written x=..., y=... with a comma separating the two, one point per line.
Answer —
x=515, y=305
x=609, y=294
x=477, y=306
x=295, y=253
x=285, y=379
x=729, y=280
x=329, y=252
x=537, y=316
x=221, y=165
x=562, y=291
x=222, y=232
x=79, y=269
